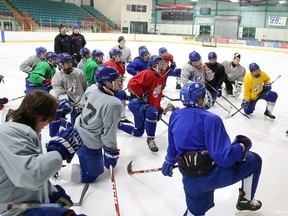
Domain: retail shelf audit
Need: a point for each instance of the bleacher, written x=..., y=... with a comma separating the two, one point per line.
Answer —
x=50, y=13
x=99, y=15
x=4, y=10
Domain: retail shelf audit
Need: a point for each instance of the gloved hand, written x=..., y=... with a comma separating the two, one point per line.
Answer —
x=160, y=112
x=46, y=84
x=173, y=65
x=267, y=87
x=121, y=95
x=245, y=104
x=246, y=141
x=1, y=79
x=66, y=142
x=143, y=98
x=65, y=106
x=61, y=197
x=167, y=168
x=110, y=157
x=219, y=91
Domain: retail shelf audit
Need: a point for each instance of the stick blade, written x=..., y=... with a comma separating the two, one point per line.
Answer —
x=129, y=168
x=85, y=189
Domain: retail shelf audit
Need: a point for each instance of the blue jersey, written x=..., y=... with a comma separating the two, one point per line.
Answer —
x=195, y=129
x=136, y=66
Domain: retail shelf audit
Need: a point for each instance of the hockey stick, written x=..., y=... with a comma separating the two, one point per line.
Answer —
x=229, y=111
x=256, y=97
x=116, y=202
x=131, y=172
x=84, y=191
x=238, y=110
x=17, y=98
x=171, y=99
x=164, y=121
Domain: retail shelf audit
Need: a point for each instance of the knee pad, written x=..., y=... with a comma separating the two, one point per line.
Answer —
x=272, y=96
x=138, y=132
x=151, y=113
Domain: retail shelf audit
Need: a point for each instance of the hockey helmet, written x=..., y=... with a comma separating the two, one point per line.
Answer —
x=63, y=57
x=50, y=55
x=143, y=52
x=40, y=50
x=114, y=52
x=212, y=55
x=191, y=92
x=97, y=53
x=194, y=56
x=105, y=74
x=162, y=50
x=154, y=59
x=84, y=51
x=75, y=26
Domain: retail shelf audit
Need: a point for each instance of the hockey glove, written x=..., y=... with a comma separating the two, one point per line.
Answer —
x=245, y=104
x=246, y=141
x=143, y=98
x=4, y=100
x=121, y=95
x=1, y=79
x=267, y=87
x=65, y=106
x=110, y=157
x=61, y=197
x=219, y=91
x=167, y=168
x=46, y=84
x=66, y=143
x=173, y=65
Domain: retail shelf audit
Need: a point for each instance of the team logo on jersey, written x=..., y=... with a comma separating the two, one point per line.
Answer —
x=256, y=87
x=157, y=91
x=72, y=86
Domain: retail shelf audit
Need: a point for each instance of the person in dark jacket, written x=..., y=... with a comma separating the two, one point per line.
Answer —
x=62, y=41
x=77, y=43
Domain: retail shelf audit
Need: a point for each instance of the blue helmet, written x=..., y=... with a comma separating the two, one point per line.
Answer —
x=212, y=55
x=142, y=47
x=253, y=66
x=191, y=92
x=143, y=51
x=97, y=53
x=154, y=59
x=75, y=26
x=194, y=56
x=104, y=74
x=162, y=50
x=64, y=57
x=84, y=51
x=114, y=52
x=40, y=50
x=50, y=55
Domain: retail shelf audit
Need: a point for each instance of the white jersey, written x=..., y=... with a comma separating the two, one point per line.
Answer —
x=126, y=54
x=201, y=75
x=98, y=122
x=234, y=74
x=28, y=65
x=24, y=169
x=71, y=86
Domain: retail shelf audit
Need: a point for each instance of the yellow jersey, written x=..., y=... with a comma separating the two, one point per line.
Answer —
x=253, y=86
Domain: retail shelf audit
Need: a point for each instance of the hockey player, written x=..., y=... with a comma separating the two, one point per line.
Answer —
x=146, y=92
x=62, y=42
x=28, y=65
x=126, y=52
x=3, y=100
x=85, y=54
x=234, y=76
x=214, y=86
x=116, y=62
x=170, y=67
x=207, y=159
x=195, y=71
x=92, y=63
x=140, y=63
x=69, y=85
x=40, y=77
x=24, y=168
x=77, y=42
x=257, y=86
x=97, y=126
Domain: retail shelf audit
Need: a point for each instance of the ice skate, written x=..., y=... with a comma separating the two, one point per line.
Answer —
x=269, y=114
x=247, y=205
x=152, y=145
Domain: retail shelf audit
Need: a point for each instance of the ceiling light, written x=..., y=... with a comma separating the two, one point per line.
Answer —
x=234, y=0
x=282, y=2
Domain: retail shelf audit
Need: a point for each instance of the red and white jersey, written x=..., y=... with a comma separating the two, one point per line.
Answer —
x=118, y=66
x=148, y=81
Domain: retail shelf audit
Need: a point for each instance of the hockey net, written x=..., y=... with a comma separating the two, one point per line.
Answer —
x=208, y=41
